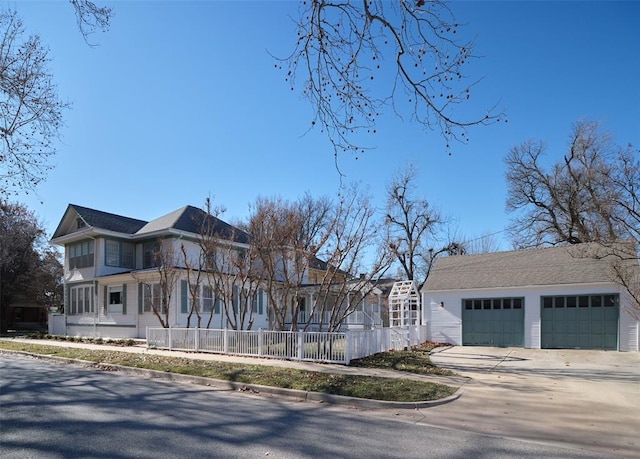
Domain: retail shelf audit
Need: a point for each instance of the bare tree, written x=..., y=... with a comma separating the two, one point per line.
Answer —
x=232, y=278
x=581, y=198
x=286, y=237
x=355, y=256
x=590, y=195
x=30, y=110
x=194, y=268
x=165, y=275
x=343, y=49
x=91, y=18
x=229, y=268
x=318, y=259
x=412, y=226
x=627, y=184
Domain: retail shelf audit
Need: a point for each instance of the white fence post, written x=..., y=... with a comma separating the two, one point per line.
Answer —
x=347, y=346
x=260, y=338
x=170, y=339
x=300, y=344
x=225, y=341
x=196, y=337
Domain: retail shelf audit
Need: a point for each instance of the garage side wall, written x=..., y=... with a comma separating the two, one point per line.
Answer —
x=444, y=321
x=629, y=325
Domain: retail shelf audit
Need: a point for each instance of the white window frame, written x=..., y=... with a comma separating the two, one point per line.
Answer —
x=113, y=307
x=81, y=254
x=120, y=254
x=81, y=300
x=207, y=299
x=152, y=294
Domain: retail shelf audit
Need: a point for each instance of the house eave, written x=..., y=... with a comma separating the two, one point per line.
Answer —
x=87, y=233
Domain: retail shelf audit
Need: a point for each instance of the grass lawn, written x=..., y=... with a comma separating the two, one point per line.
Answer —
x=414, y=361
x=369, y=387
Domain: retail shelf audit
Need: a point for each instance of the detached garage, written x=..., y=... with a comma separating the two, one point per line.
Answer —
x=551, y=298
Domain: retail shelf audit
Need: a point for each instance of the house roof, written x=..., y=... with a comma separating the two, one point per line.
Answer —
x=102, y=220
x=576, y=264
x=188, y=219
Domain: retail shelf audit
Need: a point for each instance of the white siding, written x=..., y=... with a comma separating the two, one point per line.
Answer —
x=532, y=320
x=102, y=331
x=629, y=326
x=192, y=250
x=444, y=323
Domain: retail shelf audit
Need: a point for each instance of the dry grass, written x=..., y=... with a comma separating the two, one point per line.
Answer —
x=368, y=387
x=412, y=361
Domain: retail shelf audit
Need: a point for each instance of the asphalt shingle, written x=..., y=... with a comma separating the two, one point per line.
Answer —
x=107, y=221
x=576, y=264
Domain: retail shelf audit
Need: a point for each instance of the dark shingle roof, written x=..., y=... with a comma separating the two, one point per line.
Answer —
x=576, y=264
x=107, y=221
x=190, y=219
x=193, y=220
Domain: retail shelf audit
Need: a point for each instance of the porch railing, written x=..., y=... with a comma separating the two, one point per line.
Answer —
x=332, y=347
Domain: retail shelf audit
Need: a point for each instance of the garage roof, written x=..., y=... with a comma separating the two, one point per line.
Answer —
x=575, y=264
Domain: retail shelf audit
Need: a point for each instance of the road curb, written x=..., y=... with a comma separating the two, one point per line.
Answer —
x=318, y=397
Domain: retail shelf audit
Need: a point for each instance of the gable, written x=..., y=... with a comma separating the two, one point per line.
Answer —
x=574, y=264
x=78, y=218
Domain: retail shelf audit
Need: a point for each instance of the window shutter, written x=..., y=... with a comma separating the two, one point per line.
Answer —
x=67, y=294
x=260, y=301
x=124, y=299
x=140, y=305
x=106, y=302
x=184, y=297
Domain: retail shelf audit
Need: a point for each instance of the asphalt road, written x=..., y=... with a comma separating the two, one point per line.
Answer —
x=53, y=410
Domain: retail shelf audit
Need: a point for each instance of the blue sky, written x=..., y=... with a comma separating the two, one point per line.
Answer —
x=181, y=101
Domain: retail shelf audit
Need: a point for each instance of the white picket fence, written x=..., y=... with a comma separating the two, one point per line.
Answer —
x=339, y=347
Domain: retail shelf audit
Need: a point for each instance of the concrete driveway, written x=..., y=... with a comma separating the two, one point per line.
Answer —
x=584, y=399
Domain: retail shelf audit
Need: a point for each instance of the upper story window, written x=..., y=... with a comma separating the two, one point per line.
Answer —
x=119, y=253
x=80, y=223
x=81, y=254
x=150, y=251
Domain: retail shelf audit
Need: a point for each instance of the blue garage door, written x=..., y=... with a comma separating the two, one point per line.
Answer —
x=580, y=322
x=493, y=322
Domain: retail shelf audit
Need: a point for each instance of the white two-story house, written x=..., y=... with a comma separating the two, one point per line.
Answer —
x=112, y=281
x=123, y=275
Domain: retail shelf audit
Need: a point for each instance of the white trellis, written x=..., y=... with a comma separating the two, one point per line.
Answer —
x=404, y=304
